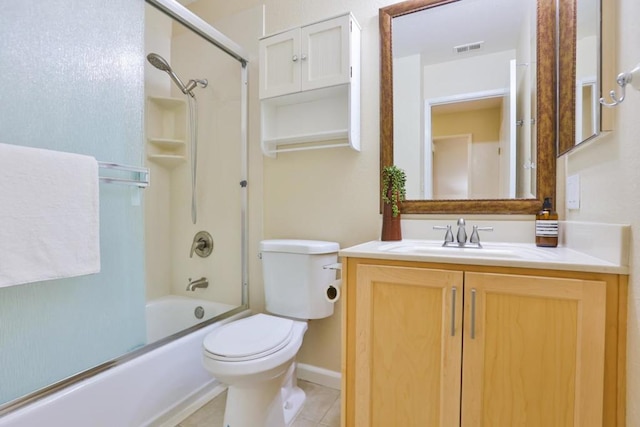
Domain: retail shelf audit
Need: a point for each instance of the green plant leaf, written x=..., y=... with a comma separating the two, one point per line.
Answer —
x=393, y=181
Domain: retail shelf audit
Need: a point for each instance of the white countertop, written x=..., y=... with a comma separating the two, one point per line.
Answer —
x=524, y=255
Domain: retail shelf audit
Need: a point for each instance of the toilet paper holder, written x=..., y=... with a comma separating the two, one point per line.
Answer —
x=332, y=293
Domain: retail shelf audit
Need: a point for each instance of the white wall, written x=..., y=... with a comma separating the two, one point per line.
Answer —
x=525, y=109
x=586, y=58
x=610, y=180
x=407, y=122
x=468, y=75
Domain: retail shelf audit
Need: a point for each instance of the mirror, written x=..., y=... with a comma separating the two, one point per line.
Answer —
x=579, y=72
x=478, y=105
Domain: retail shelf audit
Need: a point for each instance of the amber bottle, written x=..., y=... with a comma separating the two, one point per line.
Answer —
x=547, y=225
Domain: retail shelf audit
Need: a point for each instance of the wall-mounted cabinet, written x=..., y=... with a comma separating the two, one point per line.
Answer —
x=166, y=130
x=310, y=87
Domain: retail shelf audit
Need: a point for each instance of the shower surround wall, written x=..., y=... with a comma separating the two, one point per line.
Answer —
x=73, y=81
x=169, y=229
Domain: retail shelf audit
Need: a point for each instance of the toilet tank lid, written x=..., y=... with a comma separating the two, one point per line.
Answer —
x=299, y=246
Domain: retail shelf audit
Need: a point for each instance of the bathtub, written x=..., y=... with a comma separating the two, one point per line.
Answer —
x=156, y=388
x=173, y=313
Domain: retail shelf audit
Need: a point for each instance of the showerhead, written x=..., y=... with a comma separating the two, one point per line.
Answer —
x=161, y=64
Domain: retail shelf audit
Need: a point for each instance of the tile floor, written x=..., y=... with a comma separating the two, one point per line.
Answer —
x=321, y=409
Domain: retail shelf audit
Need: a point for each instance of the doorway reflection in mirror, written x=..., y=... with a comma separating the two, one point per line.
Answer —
x=464, y=100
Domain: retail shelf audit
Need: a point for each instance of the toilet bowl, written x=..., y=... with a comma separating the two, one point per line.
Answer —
x=255, y=356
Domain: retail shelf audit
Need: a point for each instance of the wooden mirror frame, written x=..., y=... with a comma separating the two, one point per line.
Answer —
x=567, y=29
x=567, y=24
x=545, y=121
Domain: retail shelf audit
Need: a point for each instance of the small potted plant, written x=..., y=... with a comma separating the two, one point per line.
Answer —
x=393, y=194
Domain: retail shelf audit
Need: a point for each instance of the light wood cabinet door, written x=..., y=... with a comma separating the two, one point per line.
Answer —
x=408, y=346
x=533, y=351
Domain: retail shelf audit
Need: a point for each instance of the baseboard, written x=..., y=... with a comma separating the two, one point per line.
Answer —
x=190, y=405
x=314, y=374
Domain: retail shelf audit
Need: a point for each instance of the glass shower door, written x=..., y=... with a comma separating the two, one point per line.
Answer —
x=72, y=80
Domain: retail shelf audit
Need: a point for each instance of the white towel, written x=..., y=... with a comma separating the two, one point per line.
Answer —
x=49, y=215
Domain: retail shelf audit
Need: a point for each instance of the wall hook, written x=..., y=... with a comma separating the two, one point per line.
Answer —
x=632, y=78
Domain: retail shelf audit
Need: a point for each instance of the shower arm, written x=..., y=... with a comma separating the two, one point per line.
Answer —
x=192, y=84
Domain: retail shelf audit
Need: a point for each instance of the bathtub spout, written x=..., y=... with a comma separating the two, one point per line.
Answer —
x=199, y=283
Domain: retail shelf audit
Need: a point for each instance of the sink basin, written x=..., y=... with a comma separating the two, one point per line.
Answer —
x=436, y=249
x=489, y=250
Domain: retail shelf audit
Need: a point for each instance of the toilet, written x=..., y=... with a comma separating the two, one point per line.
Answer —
x=255, y=355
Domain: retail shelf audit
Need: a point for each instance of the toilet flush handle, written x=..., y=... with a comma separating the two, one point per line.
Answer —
x=334, y=266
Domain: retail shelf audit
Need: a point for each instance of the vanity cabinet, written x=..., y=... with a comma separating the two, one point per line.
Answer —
x=454, y=345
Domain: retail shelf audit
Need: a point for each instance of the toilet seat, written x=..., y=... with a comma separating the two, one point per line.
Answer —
x=248, y=339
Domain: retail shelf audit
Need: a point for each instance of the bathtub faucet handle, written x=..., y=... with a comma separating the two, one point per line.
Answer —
x=197, y=245
x=202, y=244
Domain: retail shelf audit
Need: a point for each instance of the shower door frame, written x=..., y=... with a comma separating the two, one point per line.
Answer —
x=193, y=22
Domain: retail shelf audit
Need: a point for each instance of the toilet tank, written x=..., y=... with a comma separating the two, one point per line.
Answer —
x=295, y=282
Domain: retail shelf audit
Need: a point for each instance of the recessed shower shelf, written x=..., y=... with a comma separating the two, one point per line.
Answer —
x=166, y=130
x=167, y=143
x=169, y=161
x=168, y=103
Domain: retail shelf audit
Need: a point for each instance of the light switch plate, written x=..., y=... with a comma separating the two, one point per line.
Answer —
x=573, y=192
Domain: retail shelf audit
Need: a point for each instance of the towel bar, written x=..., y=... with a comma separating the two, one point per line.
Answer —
x=141, y=181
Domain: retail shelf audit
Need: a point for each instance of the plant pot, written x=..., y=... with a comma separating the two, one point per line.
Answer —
x=391, y=228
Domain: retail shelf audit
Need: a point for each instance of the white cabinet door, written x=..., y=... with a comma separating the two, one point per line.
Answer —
x=311, y=57
x=325, y=53
x=280, y=64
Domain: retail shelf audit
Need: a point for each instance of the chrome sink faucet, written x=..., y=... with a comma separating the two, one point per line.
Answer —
x=199, y=283
x=461, y=235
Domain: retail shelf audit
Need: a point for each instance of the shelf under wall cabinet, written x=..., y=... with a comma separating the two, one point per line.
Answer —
x=302, y=142
x=315, y=119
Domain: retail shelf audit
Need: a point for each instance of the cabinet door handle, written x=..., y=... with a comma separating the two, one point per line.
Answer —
x=303, y=57
x=453, y=311
x=473, y=314
x=295, y=58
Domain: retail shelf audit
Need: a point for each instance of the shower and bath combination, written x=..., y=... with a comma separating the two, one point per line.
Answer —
x=161, y=64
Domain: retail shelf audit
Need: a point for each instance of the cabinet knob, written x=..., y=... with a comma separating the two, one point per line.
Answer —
x=295, y=58
x=303, y=57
